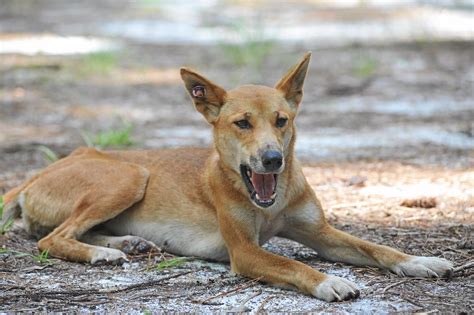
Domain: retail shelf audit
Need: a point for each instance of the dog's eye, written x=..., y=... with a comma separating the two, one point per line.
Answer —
x=281, y=122
x=243, y=124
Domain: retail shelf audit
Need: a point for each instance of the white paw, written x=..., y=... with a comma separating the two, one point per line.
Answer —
x=431, y=267
x=336, y=289
x=108, y=256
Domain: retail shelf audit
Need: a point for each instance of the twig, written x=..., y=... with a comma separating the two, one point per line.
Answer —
x=394, y=285
x=411, y=301
x=357, y=204
x=242, y=307
x=469, y=265
x=252, y=297
x=147, y=284
x=442, y=303
x=261, y=307
x=68, y=294
x=13, y=287
x=246, y=285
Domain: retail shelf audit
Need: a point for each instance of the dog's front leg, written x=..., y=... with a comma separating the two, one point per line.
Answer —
x=249, y=259
x=306, y=224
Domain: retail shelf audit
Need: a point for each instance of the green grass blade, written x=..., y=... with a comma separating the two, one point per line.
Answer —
x=49, y=155
x=171, y=263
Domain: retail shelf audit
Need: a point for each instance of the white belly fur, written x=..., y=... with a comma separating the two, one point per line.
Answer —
x=175, y=237
x=187, y=239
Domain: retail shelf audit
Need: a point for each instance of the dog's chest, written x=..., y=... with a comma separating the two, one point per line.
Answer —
x=268, y=226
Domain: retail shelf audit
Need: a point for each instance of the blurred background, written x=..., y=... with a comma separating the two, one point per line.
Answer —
x=389, y=80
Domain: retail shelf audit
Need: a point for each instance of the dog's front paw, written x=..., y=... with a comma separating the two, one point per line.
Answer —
x=108, y=256
x=336, y=289
x=431, y=267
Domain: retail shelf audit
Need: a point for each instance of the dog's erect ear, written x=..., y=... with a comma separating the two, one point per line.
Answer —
x=207, y=96
x=292, y=83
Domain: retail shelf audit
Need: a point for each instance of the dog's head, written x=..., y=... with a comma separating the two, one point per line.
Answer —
x=253, y=126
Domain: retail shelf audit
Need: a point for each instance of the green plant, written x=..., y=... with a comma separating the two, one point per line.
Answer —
x=8, y=224
x=151, y=3
x=101, y=63
x=147, y=312
x=49, y=155
x=112, y=138
x=41, y=258
x=171, y=263
x=365, y=67
x=252, y=47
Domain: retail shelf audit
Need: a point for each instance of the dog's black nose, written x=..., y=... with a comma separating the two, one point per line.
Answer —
x=272, y=160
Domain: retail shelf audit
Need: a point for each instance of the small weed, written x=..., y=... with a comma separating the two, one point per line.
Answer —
x=147, y=312
x=100, y=63
x=8, y=224
x=87, y=139
x=171, y=263
x=365, y=67
x=249, y=53
x=150, y=3
x=41, y=258
x=113, y=138
x=252, y=48
x=49, y=155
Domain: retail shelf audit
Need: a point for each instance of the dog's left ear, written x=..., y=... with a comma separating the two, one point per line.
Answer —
x=292, y=83
x=207, y=97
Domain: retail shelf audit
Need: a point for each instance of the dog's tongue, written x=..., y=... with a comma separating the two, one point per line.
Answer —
x=264, y=185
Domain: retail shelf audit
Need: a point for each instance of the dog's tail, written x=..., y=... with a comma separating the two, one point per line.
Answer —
x=11, y=208
x=11, y=202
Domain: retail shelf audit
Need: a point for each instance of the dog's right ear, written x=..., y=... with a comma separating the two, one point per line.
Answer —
x=207, y=97
x=292, y=83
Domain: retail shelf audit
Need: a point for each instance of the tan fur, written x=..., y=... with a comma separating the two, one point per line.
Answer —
x=194, y=201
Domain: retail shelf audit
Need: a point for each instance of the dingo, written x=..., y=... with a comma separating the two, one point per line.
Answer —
x=220, y=203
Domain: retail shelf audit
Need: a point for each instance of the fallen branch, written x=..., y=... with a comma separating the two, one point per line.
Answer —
x=246, y=285
x=469, y=265
x=147, y=284
x=394, y=285
x=357, y=204
x=262, y=306
x=75, y=293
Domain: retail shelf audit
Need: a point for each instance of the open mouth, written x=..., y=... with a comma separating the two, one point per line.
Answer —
x=261, y=187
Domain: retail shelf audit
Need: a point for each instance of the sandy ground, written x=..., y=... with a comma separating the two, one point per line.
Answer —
x=401, y=131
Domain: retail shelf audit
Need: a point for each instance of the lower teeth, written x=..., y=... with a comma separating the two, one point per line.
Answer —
x=266, y=200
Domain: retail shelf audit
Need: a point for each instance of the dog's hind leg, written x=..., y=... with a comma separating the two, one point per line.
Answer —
x=78, y=197
x=129, y=244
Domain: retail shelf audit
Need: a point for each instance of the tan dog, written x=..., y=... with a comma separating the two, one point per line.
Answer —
x=220, y=203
